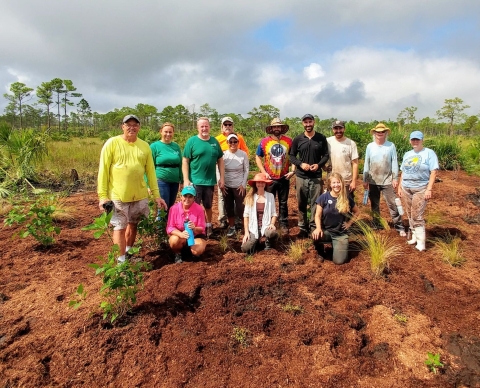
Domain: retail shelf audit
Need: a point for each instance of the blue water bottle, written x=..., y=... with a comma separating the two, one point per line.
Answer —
x=191, y=237
x=365, y=197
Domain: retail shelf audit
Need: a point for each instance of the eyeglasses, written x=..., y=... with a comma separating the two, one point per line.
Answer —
x=227, y=124
x=233, y=142
x=337, y=128
x=131, y=125
x=380, y=131
x=189, y=196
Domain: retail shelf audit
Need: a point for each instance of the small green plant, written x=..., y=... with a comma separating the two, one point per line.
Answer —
x=223, y=242
x=121, y=283
x=249, y=258
x=241, y=336
x=100, y=225
x=291, y=308
x=37, y=220
x=379, y=247
x=296, y=251
x=78, y=298
x=401, y=318
x=153, y=228
x=450, y=250
x=433, y=362
x=435, y=218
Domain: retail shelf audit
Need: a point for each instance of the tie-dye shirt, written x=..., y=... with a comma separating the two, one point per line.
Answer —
x=275, y=153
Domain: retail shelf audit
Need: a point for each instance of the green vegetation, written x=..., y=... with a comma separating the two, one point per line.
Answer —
x=450, y=250
x=401, y=318
x=153, y=227
x=121, y=283
x=433, y=362
x=241, y=336
x=78, y=298
x=378, y=246
x=296, y=251
x=294, y=309
x=37, y=220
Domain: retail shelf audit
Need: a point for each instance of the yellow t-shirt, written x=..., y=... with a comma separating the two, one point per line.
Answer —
x=122, y=169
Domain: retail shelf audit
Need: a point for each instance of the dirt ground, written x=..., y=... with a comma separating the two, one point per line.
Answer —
x=350, y=330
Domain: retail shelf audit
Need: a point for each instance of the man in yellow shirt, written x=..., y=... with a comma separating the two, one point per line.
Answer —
x=124, y=161
x=226, y=129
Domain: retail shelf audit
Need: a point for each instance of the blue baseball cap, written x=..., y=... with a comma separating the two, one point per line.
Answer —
x=189, y=190
x=416, y=135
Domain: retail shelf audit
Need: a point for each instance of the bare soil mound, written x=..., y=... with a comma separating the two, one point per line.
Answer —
x=268, y=321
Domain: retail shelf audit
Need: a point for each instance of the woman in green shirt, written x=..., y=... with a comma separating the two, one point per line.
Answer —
x=167, y=158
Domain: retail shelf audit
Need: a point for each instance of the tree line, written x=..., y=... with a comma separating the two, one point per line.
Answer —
x=57, y=104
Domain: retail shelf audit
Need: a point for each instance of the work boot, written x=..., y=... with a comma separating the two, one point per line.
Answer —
x=178, y=258
x=421, y=238
x=268, y=244
x=414, y=238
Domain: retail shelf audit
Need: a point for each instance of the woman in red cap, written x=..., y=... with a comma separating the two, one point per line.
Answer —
x=259, y=215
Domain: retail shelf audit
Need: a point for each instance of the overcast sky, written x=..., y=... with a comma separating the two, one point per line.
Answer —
x=353, y=60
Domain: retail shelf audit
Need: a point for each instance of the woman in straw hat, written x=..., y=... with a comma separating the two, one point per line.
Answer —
x=380, y=175
x=259, y=215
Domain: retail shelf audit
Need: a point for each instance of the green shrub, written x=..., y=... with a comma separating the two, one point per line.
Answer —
x=448, y=151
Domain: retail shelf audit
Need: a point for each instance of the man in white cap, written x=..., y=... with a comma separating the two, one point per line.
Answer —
x=227, y=129
x=343, y=156
x=124, y=161
x=272, y=159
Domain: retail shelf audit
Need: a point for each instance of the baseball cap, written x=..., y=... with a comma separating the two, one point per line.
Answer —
x=308, y=116
x=416, y=135
x=338, y=123
x=189, y=190
x=128, y=117
x=232, y=136
x=227, y=119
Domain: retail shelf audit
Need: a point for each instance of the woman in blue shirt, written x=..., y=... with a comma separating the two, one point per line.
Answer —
x=419, y=169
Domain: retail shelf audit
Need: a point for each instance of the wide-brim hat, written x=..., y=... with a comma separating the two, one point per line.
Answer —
x=275, y=124
x=380, y=127
x=260, y=177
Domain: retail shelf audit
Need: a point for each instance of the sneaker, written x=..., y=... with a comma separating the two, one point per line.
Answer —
x=402, y=233
x=231, y=231
x=209, y=231
x=223, y=224
x=121, y=259
x=178, y=258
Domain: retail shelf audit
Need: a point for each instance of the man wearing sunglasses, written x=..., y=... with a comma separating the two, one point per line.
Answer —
x=343, y=156
x=227, y=129
x=380, y=175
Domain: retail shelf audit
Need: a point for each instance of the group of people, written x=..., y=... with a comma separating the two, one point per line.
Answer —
x=223, y=160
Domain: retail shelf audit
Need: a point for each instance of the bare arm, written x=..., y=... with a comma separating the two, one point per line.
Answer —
x=353, y=184
x=186, y=171
x=431, y=181
x=221, y=169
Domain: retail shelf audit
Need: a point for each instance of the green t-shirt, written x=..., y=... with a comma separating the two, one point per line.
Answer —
x=168, y=161
x=203, y=155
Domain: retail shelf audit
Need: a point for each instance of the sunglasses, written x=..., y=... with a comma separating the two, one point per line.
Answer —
x=337, y=128
x=233, y=142
x=380, y=131
x=227, y=124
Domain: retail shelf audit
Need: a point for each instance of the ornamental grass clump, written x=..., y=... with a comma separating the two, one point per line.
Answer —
x=450, y=250
x=379, y=246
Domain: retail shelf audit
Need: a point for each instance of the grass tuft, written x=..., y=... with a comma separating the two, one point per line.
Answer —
x=294, y=309
x=296, y=251
x=379, y=246
x=450, y=250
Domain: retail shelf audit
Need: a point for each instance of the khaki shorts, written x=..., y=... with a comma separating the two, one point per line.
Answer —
x=126, y=213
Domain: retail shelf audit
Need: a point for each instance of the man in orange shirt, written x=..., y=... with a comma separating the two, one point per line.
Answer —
x=227, y=128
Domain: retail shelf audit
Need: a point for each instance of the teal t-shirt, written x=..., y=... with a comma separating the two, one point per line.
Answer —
x=203, y=155
x=168, y=161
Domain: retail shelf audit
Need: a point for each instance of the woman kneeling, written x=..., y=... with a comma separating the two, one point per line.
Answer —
x=259, y=215
x=333, y=216
x=184, y=210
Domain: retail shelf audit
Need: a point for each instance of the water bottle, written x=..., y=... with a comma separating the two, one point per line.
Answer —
x=399, y=206
x=365, y=197
x=191, y=237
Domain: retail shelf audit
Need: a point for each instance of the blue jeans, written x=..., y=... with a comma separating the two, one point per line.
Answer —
x=168, y=192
